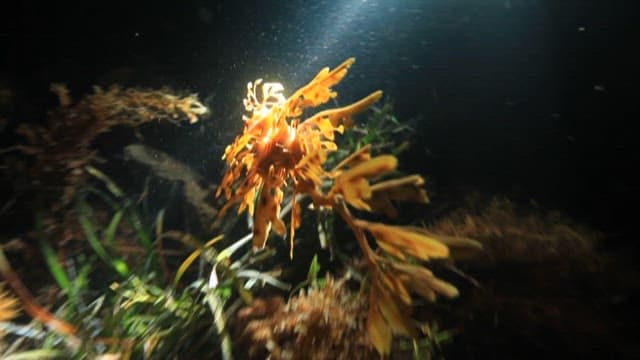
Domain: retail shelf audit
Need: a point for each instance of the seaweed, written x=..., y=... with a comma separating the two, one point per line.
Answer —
x=60, y=150
x=510, y=234
x=328, y=321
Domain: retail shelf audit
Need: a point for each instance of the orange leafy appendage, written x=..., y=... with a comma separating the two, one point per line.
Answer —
x=278, y=150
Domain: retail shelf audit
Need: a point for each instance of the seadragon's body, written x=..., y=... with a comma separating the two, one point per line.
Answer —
x=279, y=150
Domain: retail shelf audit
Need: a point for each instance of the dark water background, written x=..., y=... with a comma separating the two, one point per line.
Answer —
x=533, y=99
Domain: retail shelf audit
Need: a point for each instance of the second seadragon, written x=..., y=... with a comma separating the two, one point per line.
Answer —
x=278, y=150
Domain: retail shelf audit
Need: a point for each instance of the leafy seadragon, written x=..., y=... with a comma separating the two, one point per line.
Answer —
x=277, y=150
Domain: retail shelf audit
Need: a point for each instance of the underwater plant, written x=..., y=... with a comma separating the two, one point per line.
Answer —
x=327, y=321
x=61, y=148
x=8, y=306
x=513, y=234
x=278, y=151
x=9, y=309
x=63, y=144
x=111, y=303
x=58, y=168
